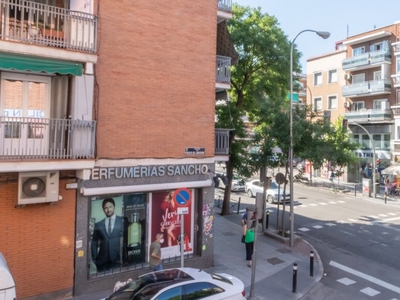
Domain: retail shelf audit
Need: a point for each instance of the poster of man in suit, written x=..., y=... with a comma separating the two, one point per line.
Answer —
x=108, y=234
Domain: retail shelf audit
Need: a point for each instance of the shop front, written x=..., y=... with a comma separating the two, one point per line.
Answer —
x=120, y=210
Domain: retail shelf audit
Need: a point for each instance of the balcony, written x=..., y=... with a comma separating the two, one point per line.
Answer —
x=396, y=80
x=369, y=115
x=221, y=141
x=224, y=11
x=396, y=48
x=367, y=88
x=367, y=60
x=38, y=24
x=223, y=73
x=40, y=138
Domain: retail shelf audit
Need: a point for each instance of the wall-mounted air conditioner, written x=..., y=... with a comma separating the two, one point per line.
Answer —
x=346, y=104
x=38, y=187
x=347, y=76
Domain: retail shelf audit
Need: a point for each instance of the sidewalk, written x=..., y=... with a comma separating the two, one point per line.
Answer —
x=274, y=263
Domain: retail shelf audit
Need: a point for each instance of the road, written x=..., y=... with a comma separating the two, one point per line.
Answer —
x=358, y=241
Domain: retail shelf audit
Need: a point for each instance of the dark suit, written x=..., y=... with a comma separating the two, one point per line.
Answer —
x=109, y=254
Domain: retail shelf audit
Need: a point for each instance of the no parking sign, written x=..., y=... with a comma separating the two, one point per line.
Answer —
x=183, y=197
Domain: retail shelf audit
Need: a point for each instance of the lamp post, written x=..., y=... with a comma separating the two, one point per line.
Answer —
x=324, y=35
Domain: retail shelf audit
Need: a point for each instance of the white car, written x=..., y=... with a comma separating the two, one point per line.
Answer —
x=181, y=284
x=237, y=182
x=256, y=186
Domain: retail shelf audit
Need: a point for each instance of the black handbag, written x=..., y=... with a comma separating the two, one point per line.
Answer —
x=243, y=237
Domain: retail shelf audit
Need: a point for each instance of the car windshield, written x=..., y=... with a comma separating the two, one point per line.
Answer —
x=236, y=177
x=149, y=284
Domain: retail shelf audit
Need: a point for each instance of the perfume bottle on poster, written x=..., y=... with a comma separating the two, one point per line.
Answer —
x=134, y=231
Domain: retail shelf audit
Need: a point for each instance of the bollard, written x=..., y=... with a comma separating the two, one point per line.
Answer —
x=385, y=197
x=238, y=206
x=355, y=190
x=294, y=286
x=267, y=221
x=312, y=263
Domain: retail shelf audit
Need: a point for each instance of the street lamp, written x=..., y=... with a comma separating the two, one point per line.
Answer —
x=324, y=35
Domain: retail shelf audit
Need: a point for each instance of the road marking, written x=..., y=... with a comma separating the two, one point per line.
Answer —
x=304, y=229
x=342, y=222
x=370, y=291
x=318, y=226
x=332, y=202
x=392, y=214
x=346, y=281
x=330, y=224
x=353, y=220
x=346, y=232
x=382, y=215
x=313, y=204
x=375, y=242
x=374, y=217
x=341, y=201
x=366, y=277
x=323, y=203
x=389, y=220
x=364, y=218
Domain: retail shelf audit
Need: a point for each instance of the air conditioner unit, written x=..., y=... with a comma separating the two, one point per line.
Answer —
x=38, y=187
x=346, y=104
x=347, y=76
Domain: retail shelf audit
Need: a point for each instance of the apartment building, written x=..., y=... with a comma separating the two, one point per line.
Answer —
x=367, y=90
x=107, y=138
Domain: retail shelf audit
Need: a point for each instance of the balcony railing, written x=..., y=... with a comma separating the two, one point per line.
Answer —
x=223, y=69
x=396, y=47
x=396, y=80
x=369, y=115
x=35, y=23
x=36, y=138
x=367, y=59
x=366, y=88
x=396, y=109
x=225, y=5
x=221, y=141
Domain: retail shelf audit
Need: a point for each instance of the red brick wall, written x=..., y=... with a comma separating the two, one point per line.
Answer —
x=156, y=78
x=37, y=240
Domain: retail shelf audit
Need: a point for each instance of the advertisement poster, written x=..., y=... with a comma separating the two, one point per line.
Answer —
x=117, y=232
x=165, y=219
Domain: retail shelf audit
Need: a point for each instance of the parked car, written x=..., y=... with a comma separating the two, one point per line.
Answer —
x=237, y=182
x=256, y=186
x=181, y=283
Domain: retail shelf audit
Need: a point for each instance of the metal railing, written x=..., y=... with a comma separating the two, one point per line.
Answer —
x=221, y=141
x=225, y=5
x=223, y=69
x=37, y=138
x=40, y=24
x=396, y=47
x=367, y=115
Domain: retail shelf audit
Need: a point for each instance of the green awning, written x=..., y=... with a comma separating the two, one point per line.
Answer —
x=38, y=64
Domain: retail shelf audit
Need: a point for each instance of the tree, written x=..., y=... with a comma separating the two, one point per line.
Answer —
x=262, y=69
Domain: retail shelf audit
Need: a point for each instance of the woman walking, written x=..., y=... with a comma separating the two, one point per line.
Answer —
x=248, y=232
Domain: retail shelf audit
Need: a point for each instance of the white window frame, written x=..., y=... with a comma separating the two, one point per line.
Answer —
x=317, y=76
x=330, y=76
x=358, y=51
x=380, y=104
x=329, y=102
x=377, y=75
x=376, y=47
x=357, y=105
x=357, y=78
x=315, y=104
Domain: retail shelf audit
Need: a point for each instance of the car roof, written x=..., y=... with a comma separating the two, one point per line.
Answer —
x=174, y=273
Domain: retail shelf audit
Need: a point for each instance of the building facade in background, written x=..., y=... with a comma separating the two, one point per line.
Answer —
x=365, y=91
x=106, y=136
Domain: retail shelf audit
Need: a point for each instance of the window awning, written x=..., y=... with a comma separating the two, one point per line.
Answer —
x=38, y=64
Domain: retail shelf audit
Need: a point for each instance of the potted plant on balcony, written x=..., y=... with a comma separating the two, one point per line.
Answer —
x=53, y=31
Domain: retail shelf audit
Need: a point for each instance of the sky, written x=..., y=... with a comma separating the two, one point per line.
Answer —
x=341, y=18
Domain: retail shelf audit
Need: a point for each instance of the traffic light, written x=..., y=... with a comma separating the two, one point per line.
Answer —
x=345, y=124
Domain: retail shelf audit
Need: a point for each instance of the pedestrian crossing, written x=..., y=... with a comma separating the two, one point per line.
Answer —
x=360, y=281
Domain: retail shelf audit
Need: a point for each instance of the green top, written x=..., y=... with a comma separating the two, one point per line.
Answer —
x=249, y=238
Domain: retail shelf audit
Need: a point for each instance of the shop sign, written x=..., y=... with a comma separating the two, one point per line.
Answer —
x=148, y=171
x=195, y=151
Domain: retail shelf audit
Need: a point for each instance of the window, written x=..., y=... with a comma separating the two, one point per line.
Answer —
x=376, y=47
x=358, y=78
x=377, y=141
x=358, y=51
x=380, y=104
x=318, y=103
x=357, y=105
x=386, y=142
x=197, y=290
x=172, y=294
x=365, y=144
x=398, y=64
x=333, y=76
x=332, y=102
x=377, y=75
x=318, y=78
